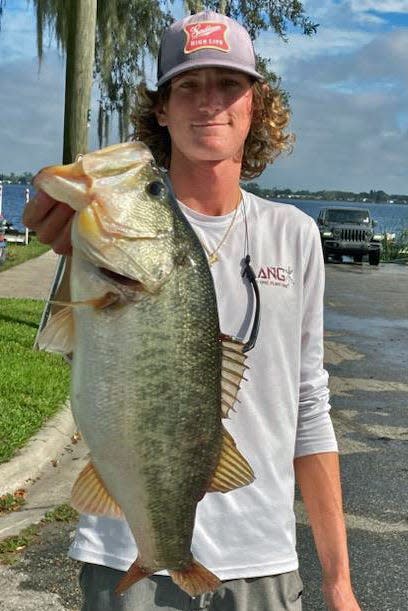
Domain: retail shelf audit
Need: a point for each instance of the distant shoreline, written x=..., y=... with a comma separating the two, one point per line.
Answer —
x=365, y=197
x=371, y=197
x=311, y=198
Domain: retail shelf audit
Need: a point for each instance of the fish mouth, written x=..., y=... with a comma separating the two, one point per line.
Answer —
x=119, y=278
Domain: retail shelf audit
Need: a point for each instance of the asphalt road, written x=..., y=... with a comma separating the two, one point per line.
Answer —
x=366, y=355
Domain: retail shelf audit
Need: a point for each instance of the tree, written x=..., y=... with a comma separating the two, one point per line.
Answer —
x=126, y=31
x=259, y=15
x=73, y=25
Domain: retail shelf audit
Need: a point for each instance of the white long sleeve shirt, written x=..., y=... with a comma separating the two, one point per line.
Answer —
x=284, y=406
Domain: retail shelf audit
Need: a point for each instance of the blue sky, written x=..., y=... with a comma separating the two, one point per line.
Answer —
x=348, y=87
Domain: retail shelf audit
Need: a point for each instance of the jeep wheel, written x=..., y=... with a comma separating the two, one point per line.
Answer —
x=374, y=257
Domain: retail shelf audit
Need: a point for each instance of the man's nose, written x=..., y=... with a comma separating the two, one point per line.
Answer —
x=211, y=98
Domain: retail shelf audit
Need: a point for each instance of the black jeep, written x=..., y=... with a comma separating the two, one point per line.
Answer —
x=349, y=231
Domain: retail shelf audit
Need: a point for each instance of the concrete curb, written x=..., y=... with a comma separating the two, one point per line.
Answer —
x=41, y=449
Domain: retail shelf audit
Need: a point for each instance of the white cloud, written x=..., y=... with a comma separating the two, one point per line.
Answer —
x=380, y=6
x=349, y=116
x=381, y=61
x=329, y=41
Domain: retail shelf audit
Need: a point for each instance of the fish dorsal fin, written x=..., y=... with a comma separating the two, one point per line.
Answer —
x=233, y=470
x=89, y=495
x=233, y=367
x=58, y=333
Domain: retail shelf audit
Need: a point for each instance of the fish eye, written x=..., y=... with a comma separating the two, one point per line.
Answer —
x=155, y=188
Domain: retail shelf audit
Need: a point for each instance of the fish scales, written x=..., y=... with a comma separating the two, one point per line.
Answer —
x=172, y=344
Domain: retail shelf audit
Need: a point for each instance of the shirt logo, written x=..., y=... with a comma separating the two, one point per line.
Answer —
x=276, y=275
x=206, y=35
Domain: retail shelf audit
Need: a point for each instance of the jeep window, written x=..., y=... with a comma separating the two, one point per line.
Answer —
x=348, y=216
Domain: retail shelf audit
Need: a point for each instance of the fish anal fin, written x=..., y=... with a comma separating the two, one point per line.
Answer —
x=89, y=495
x=233, y=471
x=135, y=573
x=232, y=373
x=195, y=579
x=58, y=333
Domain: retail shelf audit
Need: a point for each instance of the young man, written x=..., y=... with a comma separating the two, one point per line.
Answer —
x=211, y=122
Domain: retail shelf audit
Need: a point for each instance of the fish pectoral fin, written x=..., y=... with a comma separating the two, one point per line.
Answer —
x=89, y=495
x=110, y=298
x=233, y=471
x=232, y=372
x=107, y=300
x=58, y=333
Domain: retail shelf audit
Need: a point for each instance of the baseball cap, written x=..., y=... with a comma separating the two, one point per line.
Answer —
x=205, y=40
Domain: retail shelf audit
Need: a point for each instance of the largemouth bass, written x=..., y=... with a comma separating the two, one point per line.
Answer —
x=152, y=376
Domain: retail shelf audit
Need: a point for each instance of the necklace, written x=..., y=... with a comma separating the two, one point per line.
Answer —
x=212, y=255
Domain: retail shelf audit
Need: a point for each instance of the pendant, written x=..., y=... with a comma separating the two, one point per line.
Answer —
x=212, y=258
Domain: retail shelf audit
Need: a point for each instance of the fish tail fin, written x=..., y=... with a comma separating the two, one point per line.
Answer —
x=195, y=579
x=134, y=574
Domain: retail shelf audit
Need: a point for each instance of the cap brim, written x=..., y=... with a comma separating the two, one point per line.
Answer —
x=196, y=65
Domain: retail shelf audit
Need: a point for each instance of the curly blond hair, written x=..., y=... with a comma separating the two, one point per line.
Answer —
x=265, y=141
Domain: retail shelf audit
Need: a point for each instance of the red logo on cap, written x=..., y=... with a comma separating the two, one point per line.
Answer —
x=206, y=35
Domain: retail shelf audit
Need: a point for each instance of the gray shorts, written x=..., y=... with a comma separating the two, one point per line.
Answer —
x=272, y=593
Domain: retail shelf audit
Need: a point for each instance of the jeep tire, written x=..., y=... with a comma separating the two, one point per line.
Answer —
x=374, y=257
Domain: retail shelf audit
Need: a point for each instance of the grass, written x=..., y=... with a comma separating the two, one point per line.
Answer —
x=62, y=513
x=397, y=248
x=12, y=502
x=11, y=547
x=18, y=253
x=33, y=384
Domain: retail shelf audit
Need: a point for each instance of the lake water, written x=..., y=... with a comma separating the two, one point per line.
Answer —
x=390, y=217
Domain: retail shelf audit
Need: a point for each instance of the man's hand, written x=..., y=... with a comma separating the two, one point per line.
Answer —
x=51, y=220
x=339, y=596
x=318, y=476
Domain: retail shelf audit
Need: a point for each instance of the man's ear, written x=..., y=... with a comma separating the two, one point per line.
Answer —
x=161, y=115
